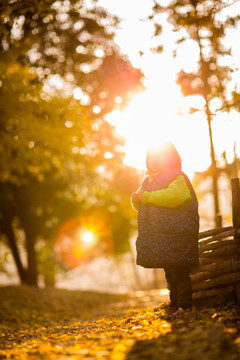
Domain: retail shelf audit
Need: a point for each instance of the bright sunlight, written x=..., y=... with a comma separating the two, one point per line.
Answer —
x=88, y=237
x=161, y=113
x=153, y=118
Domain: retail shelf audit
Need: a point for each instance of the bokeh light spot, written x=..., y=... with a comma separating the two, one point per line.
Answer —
x=84, y=238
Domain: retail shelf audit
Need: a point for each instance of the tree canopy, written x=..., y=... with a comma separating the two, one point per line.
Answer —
x=60, y=158
x=205, y=24
x=74, y=41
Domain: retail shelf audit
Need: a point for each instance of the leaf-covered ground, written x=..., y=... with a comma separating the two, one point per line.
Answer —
x=61, y=324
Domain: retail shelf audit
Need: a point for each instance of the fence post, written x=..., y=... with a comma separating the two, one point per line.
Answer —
x=219, y=220
x=236, y=220
x=235, y=203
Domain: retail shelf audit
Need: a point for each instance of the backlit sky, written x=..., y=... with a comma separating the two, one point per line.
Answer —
x=161, y=112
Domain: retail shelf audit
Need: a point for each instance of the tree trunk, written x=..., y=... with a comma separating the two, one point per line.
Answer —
x=212, y=151
x=32, y=273
x=8, y=230
x=213, y=166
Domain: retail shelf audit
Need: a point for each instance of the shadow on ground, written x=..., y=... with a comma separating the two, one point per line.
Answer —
x=209, y=334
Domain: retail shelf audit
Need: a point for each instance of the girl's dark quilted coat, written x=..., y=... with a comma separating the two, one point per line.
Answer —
x=167, y=236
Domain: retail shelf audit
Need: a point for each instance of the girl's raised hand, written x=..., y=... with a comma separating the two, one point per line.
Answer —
x=137, y=197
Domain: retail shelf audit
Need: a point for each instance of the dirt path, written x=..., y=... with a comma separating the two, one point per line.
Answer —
x=60, y=324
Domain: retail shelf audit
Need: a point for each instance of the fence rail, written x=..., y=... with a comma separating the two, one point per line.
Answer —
x=218, y=272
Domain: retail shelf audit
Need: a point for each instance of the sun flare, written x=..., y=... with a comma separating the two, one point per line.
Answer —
x=153, y=118
x=87, y=237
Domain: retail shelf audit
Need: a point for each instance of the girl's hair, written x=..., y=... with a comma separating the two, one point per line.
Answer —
x=163, y=157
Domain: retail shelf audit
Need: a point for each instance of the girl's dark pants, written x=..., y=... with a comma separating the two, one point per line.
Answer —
x=180, y=287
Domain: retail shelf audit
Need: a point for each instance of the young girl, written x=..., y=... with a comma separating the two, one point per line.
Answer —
x=168, y=222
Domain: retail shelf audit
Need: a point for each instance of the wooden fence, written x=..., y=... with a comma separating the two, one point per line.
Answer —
x=218, y=273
